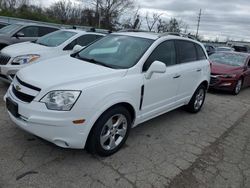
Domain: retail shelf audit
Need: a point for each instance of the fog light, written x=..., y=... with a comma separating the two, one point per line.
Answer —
x=226, y=84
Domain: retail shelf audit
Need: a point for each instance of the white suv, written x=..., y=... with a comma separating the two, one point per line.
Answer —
x=62, y=42
x=92, y=99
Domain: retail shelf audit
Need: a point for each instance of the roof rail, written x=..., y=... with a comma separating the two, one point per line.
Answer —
x=103, y=31
x=178, y=34
x=134, y=30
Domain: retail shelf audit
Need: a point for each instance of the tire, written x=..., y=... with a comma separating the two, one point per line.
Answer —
x=109, y=132
x=238, y=87
x=197, y=100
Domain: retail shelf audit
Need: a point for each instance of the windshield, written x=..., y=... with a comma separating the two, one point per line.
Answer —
x=56, y=38
x=9, y=28
x=229, y=58
x=116, y=51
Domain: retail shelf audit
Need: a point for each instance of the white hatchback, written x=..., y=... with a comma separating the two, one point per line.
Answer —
x=62, y=42
x=91, y=99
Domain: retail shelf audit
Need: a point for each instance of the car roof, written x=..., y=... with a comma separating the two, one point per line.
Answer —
x=78, y=31
x=33, y=24
x=233, y=52
x=148, y=35
x=155, y=36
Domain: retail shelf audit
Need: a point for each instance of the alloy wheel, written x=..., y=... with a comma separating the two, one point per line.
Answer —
x=113, y=132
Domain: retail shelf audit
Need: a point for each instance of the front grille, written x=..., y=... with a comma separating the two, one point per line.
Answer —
x=4, y=59
x=22, y=96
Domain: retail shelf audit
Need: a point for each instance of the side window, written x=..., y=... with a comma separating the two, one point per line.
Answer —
x=86, y=39
x=187, y=51
x=165, y=53
x=30, y=31
x=46, y=30
x=200, y=52
x=70, y=46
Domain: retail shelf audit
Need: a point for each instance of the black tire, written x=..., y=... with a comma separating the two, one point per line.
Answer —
x=191, y=107
x=94, y=145
x=238, y=87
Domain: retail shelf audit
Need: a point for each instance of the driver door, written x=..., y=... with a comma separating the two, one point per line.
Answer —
x=31, y=33
x=160, y=90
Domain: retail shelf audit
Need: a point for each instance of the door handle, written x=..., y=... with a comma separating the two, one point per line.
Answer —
x=177, y=76
x=198, y=70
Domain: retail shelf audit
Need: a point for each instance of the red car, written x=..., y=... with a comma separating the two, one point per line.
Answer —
x=230, y=71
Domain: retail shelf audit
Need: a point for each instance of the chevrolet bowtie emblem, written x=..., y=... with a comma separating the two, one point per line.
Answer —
x=18, y=88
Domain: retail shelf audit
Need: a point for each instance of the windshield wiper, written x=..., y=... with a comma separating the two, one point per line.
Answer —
x=94, y=61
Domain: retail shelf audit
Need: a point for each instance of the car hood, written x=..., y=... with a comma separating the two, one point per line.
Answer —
x=218, y=68
x=24, y=48
x=66, y=71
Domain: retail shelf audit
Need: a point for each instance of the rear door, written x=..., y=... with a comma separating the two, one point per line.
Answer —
x=46, y=30
x=159, y=92
x=192, y=60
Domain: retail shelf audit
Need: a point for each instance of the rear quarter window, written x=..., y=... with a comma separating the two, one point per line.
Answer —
x=200, y=52
x=186, y=51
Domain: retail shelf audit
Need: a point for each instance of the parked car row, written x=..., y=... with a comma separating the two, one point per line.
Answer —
x=93, y=97
x=61, y=42
x=81, y=89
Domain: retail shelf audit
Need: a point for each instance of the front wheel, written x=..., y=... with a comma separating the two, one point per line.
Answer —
x=109, y=132
x=197, y=100
x=238, y=87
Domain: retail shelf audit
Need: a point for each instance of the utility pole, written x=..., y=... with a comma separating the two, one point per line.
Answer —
x=198, y=25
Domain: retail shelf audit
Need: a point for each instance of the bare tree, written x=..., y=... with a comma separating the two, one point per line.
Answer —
x=151, y=21
x=108, y=12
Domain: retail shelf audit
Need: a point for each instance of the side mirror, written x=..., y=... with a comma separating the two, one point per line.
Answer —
x=19, y=34
x=77, y=48
x=155, y=67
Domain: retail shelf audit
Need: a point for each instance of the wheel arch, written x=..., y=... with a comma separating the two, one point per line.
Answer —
x=126, y=105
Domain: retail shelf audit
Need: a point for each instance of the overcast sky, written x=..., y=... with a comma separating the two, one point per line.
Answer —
x=229, y=18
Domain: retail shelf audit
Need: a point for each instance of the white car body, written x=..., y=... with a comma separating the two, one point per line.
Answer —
x=101, y=88
x=8, y=69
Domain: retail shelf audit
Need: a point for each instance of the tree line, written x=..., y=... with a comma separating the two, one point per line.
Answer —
x=105, y=14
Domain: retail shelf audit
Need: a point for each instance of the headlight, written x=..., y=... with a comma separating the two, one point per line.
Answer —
x=228, y=75
x=61, y=100
x=24, y=59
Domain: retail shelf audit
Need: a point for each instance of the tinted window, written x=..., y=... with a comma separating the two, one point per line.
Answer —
x=187, y=51
x=82, y=41
x=165, y=53
x=200, y=53
x=45, y=30
x=31, y=31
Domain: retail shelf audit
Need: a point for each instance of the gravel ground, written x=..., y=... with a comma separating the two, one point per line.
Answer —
x=178, y=149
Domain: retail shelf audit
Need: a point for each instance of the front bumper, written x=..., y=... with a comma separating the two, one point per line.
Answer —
x=226, y=84
x=53, y=126
x=8, y=71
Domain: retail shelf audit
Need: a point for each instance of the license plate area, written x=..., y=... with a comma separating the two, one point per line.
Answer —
x=12, y=107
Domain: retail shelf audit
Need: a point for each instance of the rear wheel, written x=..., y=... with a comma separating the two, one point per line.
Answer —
x=110, y=132
x=197, y=100
x=238, y=87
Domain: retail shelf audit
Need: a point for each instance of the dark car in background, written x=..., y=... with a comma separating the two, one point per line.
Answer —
x=210, y=49
x=224, y=49
x=230, y=71
x=16, y=33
